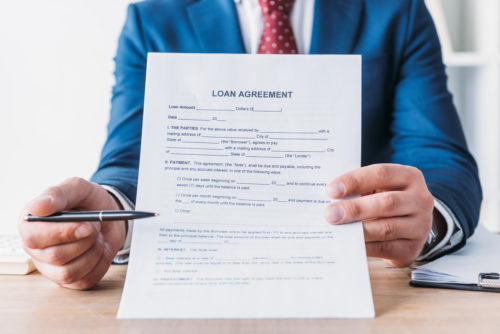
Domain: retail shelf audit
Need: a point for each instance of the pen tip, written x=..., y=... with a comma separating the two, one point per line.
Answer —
x=157, y=214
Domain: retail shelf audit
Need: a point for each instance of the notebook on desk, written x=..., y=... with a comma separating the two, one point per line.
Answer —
x=474, y=267
x=13, y=259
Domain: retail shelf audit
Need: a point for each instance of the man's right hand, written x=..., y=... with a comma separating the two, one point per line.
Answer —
x=73, y=255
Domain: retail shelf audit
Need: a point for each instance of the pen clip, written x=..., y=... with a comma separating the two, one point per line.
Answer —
x=489, y=280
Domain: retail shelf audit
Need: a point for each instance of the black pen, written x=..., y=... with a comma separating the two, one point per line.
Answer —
x=88, y=216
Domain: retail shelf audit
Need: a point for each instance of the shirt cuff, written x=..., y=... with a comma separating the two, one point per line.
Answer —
x=123, y=254
x=454, y=232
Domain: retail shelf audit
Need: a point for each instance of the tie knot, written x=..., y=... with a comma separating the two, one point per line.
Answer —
x=282, y=6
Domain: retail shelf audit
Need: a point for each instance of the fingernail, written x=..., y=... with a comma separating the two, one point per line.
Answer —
x=336, y=189
x=97, y=226
x=100, y=239
x=83, y=231
x=108, y=251
x=40, y=206
x=334, y=214
x=46, y=199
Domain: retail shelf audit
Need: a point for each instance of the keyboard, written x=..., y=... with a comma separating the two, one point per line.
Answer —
x=13, y=259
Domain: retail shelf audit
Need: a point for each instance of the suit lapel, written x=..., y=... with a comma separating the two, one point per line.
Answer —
x=336, y=24
x=215, y=25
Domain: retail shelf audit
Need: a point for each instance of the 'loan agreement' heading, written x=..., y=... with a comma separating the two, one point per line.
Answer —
x=257, y=94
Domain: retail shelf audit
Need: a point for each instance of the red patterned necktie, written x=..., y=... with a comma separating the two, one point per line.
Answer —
x=278, y=33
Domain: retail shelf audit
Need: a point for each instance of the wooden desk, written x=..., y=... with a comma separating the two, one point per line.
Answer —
x=32, y=304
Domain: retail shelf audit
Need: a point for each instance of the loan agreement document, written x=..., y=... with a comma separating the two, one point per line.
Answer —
x=237, y=151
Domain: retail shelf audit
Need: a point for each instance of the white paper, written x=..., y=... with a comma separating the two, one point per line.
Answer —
x=480, y=255
x=236, y=154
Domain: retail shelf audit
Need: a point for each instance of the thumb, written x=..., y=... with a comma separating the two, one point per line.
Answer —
x=42, y=205
x=71, y=194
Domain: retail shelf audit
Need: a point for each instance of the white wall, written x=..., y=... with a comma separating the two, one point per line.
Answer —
x=55, y=85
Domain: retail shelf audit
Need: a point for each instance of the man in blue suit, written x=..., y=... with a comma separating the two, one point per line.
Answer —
x=419, y=187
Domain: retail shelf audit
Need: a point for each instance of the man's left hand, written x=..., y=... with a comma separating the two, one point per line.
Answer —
x=395, y=207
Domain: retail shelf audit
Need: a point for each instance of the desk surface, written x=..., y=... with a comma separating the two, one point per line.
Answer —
x=31, y=304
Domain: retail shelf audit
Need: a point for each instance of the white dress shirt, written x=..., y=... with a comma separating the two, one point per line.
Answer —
x=301, y=17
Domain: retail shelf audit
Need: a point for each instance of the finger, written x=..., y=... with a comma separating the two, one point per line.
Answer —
x=95, y=275
x=380, y=205
x=74, y=270
x=39, y=235
x=399, y=253
x=369, y=179
x=115, y=234
x=72, y=193
x=61, y=254
x=391, y=229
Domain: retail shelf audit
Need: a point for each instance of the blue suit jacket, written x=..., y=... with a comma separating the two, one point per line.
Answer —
x=408, y=114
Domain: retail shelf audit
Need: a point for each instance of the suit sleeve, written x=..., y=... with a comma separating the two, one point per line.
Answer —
x=426, y=129
x=119, y=162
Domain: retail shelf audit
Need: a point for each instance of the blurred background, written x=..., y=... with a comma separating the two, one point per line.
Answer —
x=56, y=65
x=56, y=74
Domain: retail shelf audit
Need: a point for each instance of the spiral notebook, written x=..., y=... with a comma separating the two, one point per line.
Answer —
x=474, y=267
